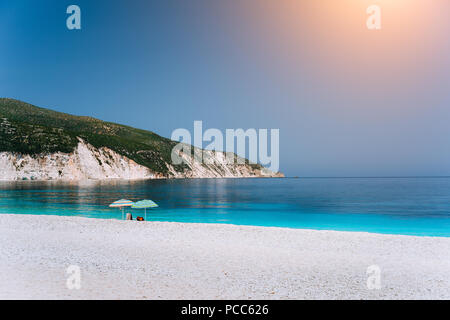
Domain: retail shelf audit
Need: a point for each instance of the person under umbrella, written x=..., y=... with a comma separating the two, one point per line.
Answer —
x=144, y=204
x=122, y=203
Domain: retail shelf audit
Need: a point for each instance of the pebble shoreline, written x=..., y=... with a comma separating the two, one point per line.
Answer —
x=167, y=260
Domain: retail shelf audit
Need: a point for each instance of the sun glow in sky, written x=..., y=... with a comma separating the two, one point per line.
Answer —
x=329, y=39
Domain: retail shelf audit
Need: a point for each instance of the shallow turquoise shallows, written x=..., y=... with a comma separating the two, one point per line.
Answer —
x=410, y=206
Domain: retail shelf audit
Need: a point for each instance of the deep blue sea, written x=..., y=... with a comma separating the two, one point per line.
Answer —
x=410, y=206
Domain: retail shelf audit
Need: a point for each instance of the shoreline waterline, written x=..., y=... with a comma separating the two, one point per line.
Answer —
x=224, y=224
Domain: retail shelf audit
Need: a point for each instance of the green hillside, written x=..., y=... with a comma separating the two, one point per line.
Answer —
x=28, y=129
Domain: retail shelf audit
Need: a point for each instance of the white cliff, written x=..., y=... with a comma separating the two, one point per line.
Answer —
x=87, y=162
x=215, y=165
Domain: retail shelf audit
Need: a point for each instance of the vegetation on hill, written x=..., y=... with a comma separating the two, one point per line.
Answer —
x=28, y=129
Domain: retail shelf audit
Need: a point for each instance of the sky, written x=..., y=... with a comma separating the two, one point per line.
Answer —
x=348, y=101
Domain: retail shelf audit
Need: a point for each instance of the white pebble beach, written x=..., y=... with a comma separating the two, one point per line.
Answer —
x=167, y=260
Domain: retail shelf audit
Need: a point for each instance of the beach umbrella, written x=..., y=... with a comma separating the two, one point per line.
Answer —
x=144, y=204
x=121, y=204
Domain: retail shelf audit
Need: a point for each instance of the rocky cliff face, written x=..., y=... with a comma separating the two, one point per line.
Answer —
x=88, y=162
x=215, y=165
x=85, y=162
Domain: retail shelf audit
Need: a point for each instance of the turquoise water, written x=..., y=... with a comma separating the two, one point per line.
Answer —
x=412, y=206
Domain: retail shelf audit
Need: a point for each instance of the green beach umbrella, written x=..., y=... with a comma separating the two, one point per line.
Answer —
x=121, y=204
x=144, y=204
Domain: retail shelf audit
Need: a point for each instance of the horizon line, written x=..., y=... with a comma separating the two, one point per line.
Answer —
x=356, y=177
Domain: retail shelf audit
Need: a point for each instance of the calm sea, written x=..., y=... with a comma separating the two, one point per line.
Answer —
x=413, y=206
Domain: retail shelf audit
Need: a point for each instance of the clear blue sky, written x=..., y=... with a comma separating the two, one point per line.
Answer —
x=347, y=101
